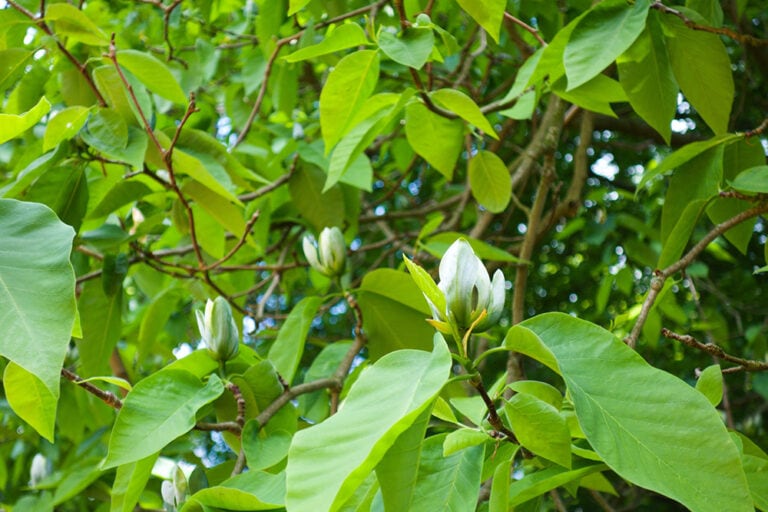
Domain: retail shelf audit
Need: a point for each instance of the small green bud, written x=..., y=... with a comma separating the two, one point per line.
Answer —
x=218, y=329
x=423, y=20
x=329, y=255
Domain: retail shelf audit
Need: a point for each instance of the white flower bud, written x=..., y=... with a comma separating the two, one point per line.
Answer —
x=218, y=329
x=329, y=255
x=468, y=289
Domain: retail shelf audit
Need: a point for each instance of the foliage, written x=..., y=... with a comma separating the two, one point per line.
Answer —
x=322, y=177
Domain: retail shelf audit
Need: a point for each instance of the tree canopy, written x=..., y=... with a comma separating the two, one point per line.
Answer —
x=406, y=255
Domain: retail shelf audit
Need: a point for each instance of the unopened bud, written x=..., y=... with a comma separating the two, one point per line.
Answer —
x=218, y=329
x=329, y=255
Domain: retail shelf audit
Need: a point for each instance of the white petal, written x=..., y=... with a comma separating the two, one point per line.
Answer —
x=310, y=251
x=498, y=292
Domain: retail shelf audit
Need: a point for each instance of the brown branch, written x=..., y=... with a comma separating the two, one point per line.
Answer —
x=748, y=365
x=105, y=396
x=722, y=31
x=534, y=32
x=493, y=415
x=359, y=342
x=660, y=276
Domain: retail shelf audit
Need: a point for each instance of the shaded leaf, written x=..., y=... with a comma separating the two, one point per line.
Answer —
x=285, y=353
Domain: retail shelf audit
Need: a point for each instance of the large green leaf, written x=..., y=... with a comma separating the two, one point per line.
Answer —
x=130, y=480
x=604, y=33
x=12, y=125
x=285, y=353
x=488, y=14
x=328, y=461
x=463, y=106
x=650, y=427
x=37, y=290
x=447, y=482
x=540, y=428
x=159, y=409
x=64, y=126
x=755, y=462
x=321, y=209
x=646, y=75
x=254, y=490
x=412, y=48
x=436, y=139
x=703, y=70
x=342, y=37
x=490, y=181
x=30, y=399
x=540, y=482
x=350, y=83
x=101, y=321
x=596, y=95
x=394, y=312
x=73, y=23
x=153, y=73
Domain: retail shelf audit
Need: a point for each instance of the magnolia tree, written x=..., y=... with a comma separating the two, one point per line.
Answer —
x=396, y=255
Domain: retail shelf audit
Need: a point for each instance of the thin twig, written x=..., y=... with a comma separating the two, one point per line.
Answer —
x=748, y=365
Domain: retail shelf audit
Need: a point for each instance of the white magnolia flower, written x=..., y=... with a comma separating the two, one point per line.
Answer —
x=218, y=329
x=468, y=289
x=329, y=255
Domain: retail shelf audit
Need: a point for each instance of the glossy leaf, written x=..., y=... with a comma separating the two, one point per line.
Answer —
x=285, y=353
x=64, y=126
x=73, y=23
x=254, y=490
x=348, y=35
x=610, y=27
x=264, y=451
x=703, y=70
x=130, y=480
x=30, y=399
x=710, y=384
x=37, y=291
x=328, y=461
x=488, y=14
x=490, y=181
x=646, y=75
x=539, y=428
x=11, y=125
x=463, y=106
x=411, y=49
x=629, y=425
x=348, y=86
x=540, y=482
x=153, y=73
x=160, y=408
x=447, y=483
x=436, y=139
x=752, y=181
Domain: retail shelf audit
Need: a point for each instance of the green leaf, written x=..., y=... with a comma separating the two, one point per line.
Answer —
x=436, y=139
x=64, y=126
x=106, y=131
x=350, y=83
x=387, y=294
x=697, y=179
x=76, y=479
x=411, y=49
x=595, y=95
x=439, y=243
x=426, y=284
x=604, y=33
x=115, y=381
x=285, y=353
x=348, y=35
x=703, y=70
x=11, y=125
x=752, y=181
x=73, y=23
x=101, y=321
x=63, y=189
x=710, y=384
x=37, y=290
x=755, y=462
x=264, y=451
x=646, y=75
x=539, y=428
x=685, y=154
x=540, y=482
x=13, y=62
x=651, y=428
x=488, y=14
x=130, y=481
x=321, y=209
x=447, y=483
x=153, y=73
x=680, y=233
x=397, y=471
x=490, y=181
x=462, y=438
x=463, y=106
x=30, y=399
x=160, y=408
x=540, y=390
x=328, y=461
x=710, y=10
x=254, y=490
x=499, y=499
